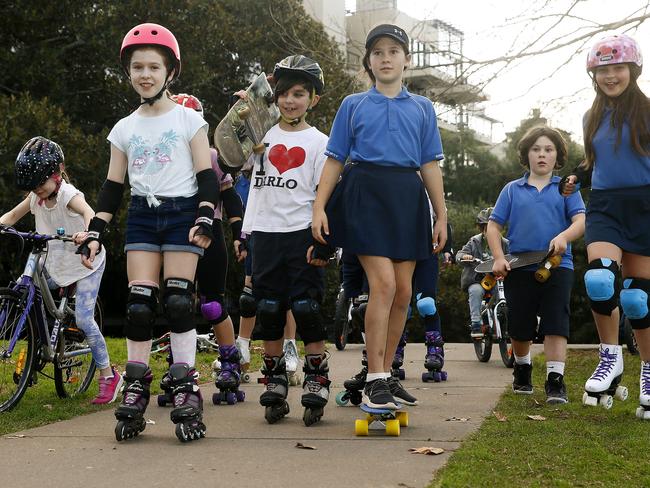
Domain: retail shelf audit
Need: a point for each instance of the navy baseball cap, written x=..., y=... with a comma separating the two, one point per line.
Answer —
x=387, y=30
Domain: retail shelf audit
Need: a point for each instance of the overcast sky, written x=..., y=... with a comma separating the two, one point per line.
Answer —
x=487, y=35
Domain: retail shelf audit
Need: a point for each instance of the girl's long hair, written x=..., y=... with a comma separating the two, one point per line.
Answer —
x=632, y=106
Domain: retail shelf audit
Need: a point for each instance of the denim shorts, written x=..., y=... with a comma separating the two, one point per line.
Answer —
x=163, y=228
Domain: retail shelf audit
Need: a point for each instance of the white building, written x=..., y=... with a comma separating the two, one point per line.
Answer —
x=437, y=63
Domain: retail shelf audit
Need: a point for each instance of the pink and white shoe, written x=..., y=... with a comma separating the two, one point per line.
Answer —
x=109, y=388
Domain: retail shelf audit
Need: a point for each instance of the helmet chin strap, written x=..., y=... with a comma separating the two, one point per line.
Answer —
x=151, y=100
x=296, y=121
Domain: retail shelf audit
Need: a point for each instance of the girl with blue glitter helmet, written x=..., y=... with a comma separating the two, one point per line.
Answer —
x=617, y=167
x=379, y=210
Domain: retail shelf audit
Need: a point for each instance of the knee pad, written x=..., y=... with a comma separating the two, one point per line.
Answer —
x=214, y=311
x=309, y=323
x=634, y=302
x=602, y=285
x=141, y=306
x=273, y=317
x=247, y=303
x=178, y=304
x=426, y=306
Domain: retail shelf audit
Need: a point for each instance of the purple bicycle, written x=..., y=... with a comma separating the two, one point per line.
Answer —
x=37, y=328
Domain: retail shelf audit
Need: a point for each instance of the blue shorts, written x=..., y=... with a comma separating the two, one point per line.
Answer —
x=163, y=228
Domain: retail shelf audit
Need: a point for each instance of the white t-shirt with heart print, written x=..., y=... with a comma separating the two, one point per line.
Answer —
x=283, y=188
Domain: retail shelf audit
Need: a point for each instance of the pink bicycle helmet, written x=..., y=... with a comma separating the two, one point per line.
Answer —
x=619, y=48
x=151, y=35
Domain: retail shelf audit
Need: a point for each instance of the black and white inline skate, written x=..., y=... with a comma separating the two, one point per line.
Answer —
x=274, y=397
x=354, y=386
x=315, y=387
x=188, y=403
x=604, y=383
x=130, y=412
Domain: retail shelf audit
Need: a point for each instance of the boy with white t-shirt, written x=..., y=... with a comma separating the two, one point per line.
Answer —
x=278, y=215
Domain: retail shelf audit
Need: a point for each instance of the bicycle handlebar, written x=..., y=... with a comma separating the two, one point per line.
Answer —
x=33, y=235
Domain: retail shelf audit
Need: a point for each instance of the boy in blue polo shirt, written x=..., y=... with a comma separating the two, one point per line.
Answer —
x=537, y=219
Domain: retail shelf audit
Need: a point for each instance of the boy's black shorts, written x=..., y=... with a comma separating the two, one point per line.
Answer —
x=280, y=268
x=527, y=299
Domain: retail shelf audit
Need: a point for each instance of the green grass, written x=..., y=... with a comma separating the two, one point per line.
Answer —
x=41, y=405
x=574, y=446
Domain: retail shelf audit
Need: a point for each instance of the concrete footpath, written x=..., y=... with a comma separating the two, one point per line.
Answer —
x=242, y=450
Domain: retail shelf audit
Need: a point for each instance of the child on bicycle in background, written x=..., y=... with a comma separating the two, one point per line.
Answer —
x=617, y=167
x=278, y=218
x=538, y=220
x=55, y=203
x=165, y=149
x=380, y=209
x=476, y=249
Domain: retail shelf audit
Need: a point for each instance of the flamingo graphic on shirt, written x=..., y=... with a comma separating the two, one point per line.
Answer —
x=150, y=160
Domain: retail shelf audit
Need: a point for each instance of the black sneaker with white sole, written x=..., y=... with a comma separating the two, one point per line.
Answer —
x=376, y=394
x=555, y=389
x=399, y=393
x=522, y=381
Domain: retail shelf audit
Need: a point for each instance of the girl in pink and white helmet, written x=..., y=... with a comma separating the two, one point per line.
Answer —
x=617, y=149
x=164, y=147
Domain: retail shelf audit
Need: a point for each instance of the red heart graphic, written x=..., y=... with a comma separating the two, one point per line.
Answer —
x=284, y=159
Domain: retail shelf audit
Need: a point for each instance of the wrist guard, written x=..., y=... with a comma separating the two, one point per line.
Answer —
x=204, y=221
x=96, y=228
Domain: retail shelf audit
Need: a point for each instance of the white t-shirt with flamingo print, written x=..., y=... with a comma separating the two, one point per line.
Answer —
x=283, y=189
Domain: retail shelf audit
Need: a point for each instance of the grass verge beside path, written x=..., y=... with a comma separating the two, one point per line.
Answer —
x=574, y=446
x=40, y=405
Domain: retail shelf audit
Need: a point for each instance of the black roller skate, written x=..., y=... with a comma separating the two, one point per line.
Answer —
x=315, y=387
x=130, y=412
x=165, y=398
x=274, y=397
x=188, y=403
x=228, y=378
x=396, y=370
x=435, y=357
x=354, y=385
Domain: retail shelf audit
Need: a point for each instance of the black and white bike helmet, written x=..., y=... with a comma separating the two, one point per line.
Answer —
x=39, y=159
x=304, y=66
x=483, y=217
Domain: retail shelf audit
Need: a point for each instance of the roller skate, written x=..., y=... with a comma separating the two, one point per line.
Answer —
x=315, y=388
x=130, y=412
x=643, y=410
x=274, y=397
x=435, y=357
x=227, y=380
x=292, y=361
x=396, y=370
x=243, y=346
x=603, y=385
x=354, y=385
x=522, y=383
x=188, y=403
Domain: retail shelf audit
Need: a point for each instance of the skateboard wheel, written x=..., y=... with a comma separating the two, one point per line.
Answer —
x=361, y=427
x=244, y=112
x=392, y=427
x=402, y=418
x=541, y=275
x=341, y=399
x=606, y=401
x=621, y=393
x=589, y=400
x=259, y=148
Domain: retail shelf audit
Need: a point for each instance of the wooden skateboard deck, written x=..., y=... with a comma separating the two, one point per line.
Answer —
x=240, y=132
x=518, y=260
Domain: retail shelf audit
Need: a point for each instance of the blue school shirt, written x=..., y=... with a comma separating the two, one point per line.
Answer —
x=373, y=128
x=617, y=167
x=535, y=217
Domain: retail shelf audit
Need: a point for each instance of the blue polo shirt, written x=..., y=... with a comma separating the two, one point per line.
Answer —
x=535, y=217
x=617, y=167
x=373, y=128
x=242, y=186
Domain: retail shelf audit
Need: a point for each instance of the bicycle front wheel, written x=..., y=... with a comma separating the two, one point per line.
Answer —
x=74, y=367
x=505, y=345
x=16, y=365
x=483, y=346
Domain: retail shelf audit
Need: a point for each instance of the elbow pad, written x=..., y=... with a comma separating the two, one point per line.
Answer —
x=208, y=186
x=232, y=203
x=235, y=227
x=110, y=197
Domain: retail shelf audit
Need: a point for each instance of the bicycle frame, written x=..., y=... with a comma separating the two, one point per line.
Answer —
x=490, y=306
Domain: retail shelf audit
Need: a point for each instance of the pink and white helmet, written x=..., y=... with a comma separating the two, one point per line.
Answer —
x=619, y=48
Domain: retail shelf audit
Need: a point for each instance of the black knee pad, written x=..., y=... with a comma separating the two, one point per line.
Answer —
x=273, y=316
x=141, y=307
x=634, y=302
x=247, y=303
x=214, y=309
x=309, y=323
x=603, y=285
x=178, y=304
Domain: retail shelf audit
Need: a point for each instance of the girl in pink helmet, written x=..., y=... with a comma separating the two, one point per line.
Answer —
x=164, y=147
x=617, y=166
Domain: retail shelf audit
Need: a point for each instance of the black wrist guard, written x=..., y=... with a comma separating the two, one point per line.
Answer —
x=322, y=251
x=583, y=177
x=204, y=221
x=96, y=228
